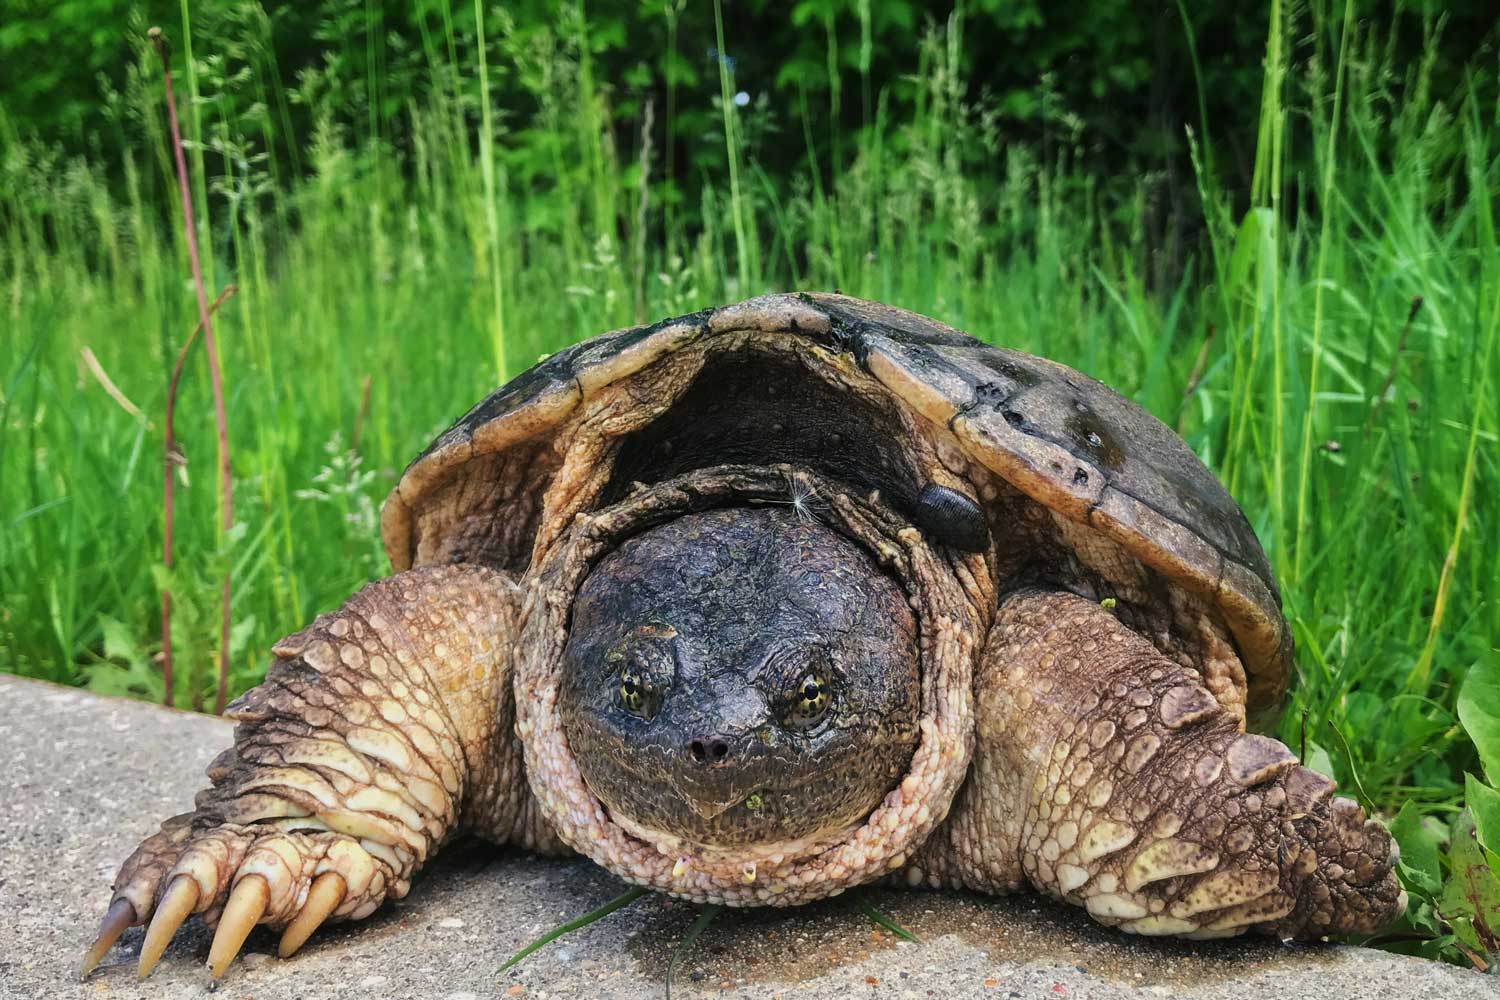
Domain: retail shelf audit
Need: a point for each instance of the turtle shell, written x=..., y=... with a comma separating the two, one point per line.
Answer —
x=1067, y=441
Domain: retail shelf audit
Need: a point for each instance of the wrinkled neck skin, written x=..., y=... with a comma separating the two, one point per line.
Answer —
x=948, y=594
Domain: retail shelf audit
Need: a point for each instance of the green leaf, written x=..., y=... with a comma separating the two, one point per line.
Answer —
x=1479, y=711
x=1419, y=850
x=1484, y=802
x=884, y=919
x=119, y=644
x=1252, y=243
x=127, y=669
x=106, y=678
x=1471, y=897
x=1318, y=759
x=240, y=634
x=705, y=917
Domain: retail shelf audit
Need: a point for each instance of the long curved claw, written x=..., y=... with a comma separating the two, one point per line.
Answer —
x=246, y=905
x=323, y=897
x=119, y=916
x=176, y=905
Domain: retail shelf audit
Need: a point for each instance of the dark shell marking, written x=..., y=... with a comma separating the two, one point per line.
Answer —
x=1064, y=439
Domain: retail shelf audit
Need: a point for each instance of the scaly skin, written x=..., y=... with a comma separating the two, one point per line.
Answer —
x=380, y=730
x=1106, y=774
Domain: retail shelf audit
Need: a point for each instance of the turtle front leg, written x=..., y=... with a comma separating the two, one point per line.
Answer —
x=1107, y=775
x=378, y=730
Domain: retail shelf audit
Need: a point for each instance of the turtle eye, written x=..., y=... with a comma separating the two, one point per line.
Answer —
x=638, y=695
x=644, y=665
x=809, y=701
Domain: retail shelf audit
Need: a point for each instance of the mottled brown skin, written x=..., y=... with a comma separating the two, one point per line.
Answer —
x=1049, y=622
x=381, y=729
x=1108, y=776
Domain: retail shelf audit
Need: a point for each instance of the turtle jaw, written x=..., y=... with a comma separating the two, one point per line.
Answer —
x=735, y=862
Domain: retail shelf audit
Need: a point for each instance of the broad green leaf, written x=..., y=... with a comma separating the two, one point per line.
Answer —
x=1479, y=711
x=106, y=678
x=240, y=634
x=1484, y=802
x=1471, y=897
x=1419, y=850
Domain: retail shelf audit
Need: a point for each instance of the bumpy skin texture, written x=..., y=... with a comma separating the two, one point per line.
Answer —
x=1107, y=775
x=379, y=731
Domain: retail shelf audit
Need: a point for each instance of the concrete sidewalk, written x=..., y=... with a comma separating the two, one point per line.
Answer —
x=88, y=777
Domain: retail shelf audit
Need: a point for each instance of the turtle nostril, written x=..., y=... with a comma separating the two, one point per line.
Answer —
x=708, y=751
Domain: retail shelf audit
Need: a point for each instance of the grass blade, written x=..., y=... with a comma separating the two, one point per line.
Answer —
x=884, y=919
x=624, y=899
x=705, y=917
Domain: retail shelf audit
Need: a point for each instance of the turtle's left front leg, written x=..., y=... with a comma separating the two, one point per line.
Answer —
x=1106, y=774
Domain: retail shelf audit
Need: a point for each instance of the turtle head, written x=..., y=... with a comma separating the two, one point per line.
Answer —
x=741, y=678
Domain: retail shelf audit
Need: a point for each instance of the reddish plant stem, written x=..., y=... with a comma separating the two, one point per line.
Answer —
x=226, y=498
x=1390, y=374
x=171, y=458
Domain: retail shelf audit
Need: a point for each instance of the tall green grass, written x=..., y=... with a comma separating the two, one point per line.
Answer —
x=1357, y=428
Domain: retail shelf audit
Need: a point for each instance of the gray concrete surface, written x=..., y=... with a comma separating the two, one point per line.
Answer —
x=87, y=777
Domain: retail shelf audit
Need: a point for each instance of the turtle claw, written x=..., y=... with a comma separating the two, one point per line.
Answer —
x=176, y=905
x=246, y=905
x=323, y=897
x=119, y=916
x=236, y=877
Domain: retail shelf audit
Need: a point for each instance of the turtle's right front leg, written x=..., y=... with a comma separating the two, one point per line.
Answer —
x=378, y=730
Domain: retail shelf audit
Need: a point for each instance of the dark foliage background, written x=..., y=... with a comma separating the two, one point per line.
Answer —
x=1105, y=84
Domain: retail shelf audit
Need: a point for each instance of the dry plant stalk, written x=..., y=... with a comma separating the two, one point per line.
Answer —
x=91, y=362
x=226, y=498
x=643, y=197
x=171, y=459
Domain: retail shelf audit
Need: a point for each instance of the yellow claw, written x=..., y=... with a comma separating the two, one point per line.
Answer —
x=323, y=897
x=246, y=905
x=176, y=905
x=119, y=916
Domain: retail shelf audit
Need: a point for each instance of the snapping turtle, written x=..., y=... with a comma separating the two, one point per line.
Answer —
x=769, y=601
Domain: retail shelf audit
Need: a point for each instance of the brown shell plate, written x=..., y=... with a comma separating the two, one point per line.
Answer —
x=1066, y=440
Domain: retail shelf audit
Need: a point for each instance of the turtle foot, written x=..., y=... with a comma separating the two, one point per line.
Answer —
x=235, y=878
